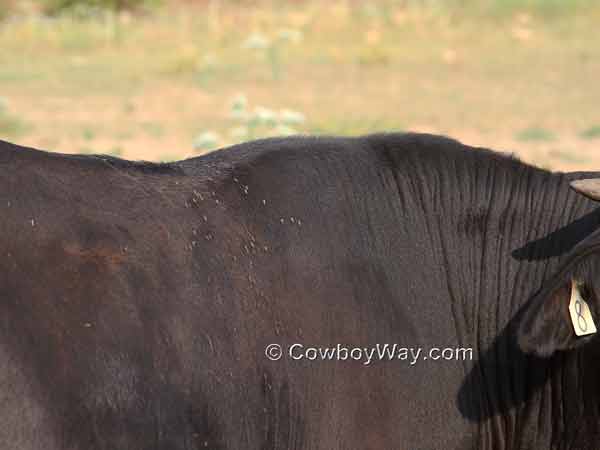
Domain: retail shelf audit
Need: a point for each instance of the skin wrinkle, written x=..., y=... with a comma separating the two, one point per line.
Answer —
x=461, y=333
x=453, y=297
x=498, y=273
x=519, y=416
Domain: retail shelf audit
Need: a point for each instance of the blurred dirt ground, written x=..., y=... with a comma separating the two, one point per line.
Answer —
x=187, y=79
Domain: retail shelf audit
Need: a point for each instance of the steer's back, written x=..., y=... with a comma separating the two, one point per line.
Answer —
x=137, y=301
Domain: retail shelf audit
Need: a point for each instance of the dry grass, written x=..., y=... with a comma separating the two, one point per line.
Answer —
x=144, y=88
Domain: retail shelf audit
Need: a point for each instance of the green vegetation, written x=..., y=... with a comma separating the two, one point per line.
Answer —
x=85, y=6
x=248, y=124
x=591, y=132
x=98, y=75
x=567, y=156
x=535, y=134
x=10, y=125
x=546, y=8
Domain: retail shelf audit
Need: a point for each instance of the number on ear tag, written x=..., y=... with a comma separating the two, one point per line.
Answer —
x=581, y=316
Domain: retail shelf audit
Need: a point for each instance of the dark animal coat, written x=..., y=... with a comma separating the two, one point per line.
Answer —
x=137, y=299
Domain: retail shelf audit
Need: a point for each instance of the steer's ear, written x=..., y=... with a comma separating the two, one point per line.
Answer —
x=565, y=313
x=589, y=187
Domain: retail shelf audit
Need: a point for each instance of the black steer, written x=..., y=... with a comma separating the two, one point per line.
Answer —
x=139, y=303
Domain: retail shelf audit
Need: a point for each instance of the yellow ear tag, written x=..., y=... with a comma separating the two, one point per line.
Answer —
x=581, y=316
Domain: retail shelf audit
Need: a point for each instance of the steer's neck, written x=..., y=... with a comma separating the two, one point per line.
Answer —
x=529, y=229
